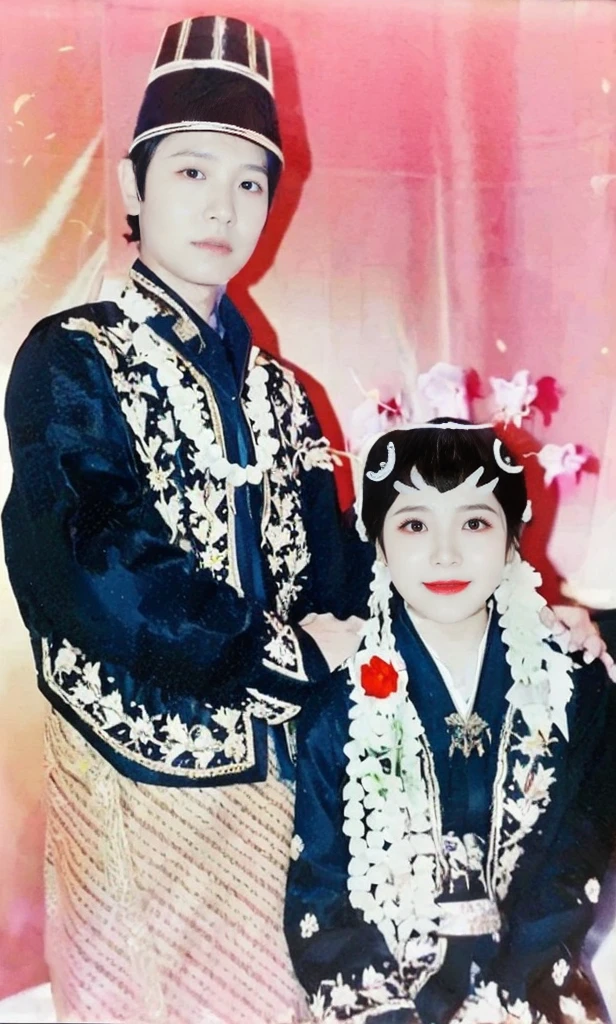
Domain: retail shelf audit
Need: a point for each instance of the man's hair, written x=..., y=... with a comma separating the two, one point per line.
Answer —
x=141, y=158
x=444, y=458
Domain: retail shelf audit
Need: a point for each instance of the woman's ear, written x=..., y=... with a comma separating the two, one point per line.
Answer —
x=513, y=549
x=128, y=187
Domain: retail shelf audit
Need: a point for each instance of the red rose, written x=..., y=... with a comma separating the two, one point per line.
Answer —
x=379, y=678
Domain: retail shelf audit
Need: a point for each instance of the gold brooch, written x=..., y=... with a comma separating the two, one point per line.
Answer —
x=466, y=734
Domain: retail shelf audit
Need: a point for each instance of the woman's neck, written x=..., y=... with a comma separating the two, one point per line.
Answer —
x=453, y=642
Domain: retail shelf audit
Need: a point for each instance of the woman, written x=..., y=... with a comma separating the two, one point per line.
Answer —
x=456, y=790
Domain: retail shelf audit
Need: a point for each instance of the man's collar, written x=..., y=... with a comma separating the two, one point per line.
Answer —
x=188, y=323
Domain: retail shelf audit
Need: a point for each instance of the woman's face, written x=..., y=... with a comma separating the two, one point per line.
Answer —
x=446, y=551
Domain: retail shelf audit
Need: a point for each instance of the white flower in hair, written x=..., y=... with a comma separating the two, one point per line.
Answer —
x=560, y=460
x=442, y=391
x=513, y=398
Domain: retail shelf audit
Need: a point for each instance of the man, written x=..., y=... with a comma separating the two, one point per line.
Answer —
x=172, y=520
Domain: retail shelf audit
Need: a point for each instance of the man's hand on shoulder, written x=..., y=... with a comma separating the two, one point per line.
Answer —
x=337, y=639
x=574, y=630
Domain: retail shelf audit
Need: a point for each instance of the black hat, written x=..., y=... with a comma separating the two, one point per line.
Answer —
x=211, y=74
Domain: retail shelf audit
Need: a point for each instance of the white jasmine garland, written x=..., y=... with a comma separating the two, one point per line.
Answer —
x=187, y=403
x=542, y=684
x=392, y=808
x=387, y=813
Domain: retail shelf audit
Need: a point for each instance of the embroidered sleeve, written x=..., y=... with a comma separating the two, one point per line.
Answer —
x=183, y=740
x=92, y=559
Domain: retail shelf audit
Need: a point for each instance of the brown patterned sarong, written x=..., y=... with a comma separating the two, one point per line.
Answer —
x=164, y=905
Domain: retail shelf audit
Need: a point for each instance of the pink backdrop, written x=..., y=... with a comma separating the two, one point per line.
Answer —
x=449, y=196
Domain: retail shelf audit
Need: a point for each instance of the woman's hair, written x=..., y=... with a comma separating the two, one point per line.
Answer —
x=141, y=158
x=444, y=458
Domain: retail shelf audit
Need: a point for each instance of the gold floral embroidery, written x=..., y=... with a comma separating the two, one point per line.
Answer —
x=163, y=743
x=198, y=509
x=520, y=796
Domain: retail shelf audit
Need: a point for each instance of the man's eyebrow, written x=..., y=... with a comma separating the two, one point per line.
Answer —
x=202, y=154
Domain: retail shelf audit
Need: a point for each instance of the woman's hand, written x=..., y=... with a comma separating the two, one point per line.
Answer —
x=574, y=630
x=337, y=639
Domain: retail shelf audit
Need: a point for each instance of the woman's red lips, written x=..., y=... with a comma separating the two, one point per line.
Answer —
x=448, y=586
x=215, y=245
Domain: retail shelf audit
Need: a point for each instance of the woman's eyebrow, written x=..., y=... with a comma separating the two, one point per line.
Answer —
x=478, y=507
x=412, y=508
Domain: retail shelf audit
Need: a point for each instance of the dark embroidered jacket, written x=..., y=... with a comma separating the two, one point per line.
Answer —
x=162, y=602
x=528, y=826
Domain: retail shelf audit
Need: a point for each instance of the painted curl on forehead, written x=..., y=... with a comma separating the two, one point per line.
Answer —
x=471, y=484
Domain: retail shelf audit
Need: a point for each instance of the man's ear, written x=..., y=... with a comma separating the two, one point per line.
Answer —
x=128, y=187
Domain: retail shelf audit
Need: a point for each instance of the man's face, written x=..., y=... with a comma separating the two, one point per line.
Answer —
x=446, y=551
x=204, y=208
